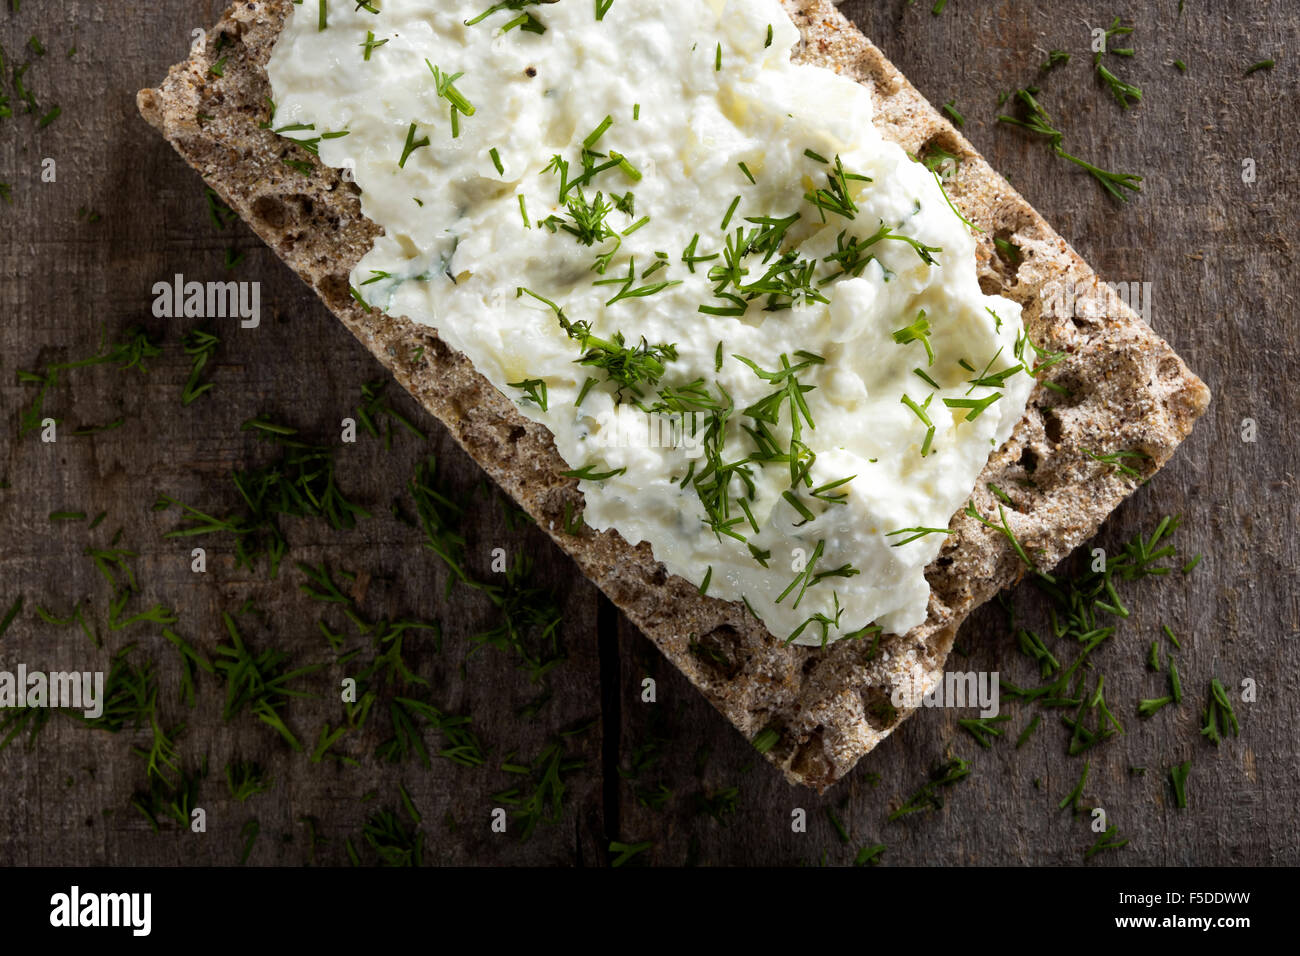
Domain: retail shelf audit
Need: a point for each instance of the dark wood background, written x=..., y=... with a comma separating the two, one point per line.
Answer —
x=1218, y=252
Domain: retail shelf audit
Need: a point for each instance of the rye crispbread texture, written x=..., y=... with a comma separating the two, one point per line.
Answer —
x=1127, y=390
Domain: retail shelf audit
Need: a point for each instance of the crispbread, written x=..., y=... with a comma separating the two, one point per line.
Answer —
x=1127, y=390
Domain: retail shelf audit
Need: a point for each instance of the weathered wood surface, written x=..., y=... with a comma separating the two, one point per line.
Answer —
x=1217, y=252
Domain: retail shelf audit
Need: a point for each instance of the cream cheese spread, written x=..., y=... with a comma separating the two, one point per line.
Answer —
x=753, y=326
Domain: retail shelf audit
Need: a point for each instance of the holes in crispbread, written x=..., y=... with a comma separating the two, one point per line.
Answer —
x=880, y=710
x=304, y=205
x=810, y=762
x=1008, y=256
x=336, y=292
x=270, y=212
x=1084, y=324
x=716, y=652
x=1053, y=427
x=943, y=154
x=1029, y=460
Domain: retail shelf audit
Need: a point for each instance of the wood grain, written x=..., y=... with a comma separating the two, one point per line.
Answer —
x=1217, y=251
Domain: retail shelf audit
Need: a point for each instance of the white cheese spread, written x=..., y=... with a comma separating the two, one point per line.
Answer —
x=753, y=326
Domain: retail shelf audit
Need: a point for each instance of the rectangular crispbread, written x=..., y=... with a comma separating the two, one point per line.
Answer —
x=1127, y=390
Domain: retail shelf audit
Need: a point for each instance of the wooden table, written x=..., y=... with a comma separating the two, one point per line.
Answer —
x=83, y=251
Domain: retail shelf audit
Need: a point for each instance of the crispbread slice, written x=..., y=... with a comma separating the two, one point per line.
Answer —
x=1127, y=390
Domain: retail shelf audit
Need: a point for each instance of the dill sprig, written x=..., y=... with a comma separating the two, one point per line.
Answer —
x=439, y=518
x=299, y=484
x=200, y=345
x=587, y=223
x=836, y=197
x=130, y=694
x=130, y=352
x=983, y=729
x=835, y=821
x=315, y=839
x=321, y=586
x=624, y=852
x=1113, y=183
x=539, y=797
x=1033, y=646
x=918, y=331
x=191, y=658
x=166, y=801
x=630, y=290
x=528, y=625
x=251, y=829
x=77, y=617
x=412, y=144
x=531, y=25
x=370, y=44
x=1036, y=120
x=645, y=756
x=1218, y=714
x=113, y=565
x=1114, y=30
x=17, y=720
x=1079, y=605
x=245, y=779
x=534, y=390
x=445, y=85
x=1125, y=93
x=1147, y=708
x=1116, y=460
x=870, y=855
x=1107, y=841
x=914, y=534
x=720, y=805
x=1107, y=725
x=591, y=164
x=396, y=844
x=388, y=639
x=1054, y=59
x=810, y=576
x=1178, y=775
x=14, y=610
x=410, y=716
x=374, y=407
x=258, y=683
x=766, y=739
x=629, y=368
x=1028, y=731
x=930, y=796
x=1003, y=528
x=1072, y=798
